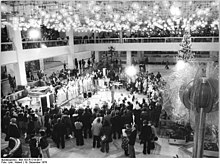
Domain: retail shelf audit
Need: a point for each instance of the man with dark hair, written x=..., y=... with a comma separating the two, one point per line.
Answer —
x=13, y=130
x=87, y=120
x=96, y=129
x=59, y=131
x=131, y=142
x=146, y=136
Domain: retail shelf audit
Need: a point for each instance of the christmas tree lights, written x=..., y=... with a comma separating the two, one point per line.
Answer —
x=185, y=52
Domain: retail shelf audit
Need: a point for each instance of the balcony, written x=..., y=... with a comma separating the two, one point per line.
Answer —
x=43, y=44
x=34, y=50
x=145, y=40
x=7, y=46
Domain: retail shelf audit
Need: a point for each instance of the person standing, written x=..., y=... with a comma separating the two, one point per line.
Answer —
x=33, y=145
x=105, y=134
x=59, y=132
x=13, y=130
x=44, y=145
x=96, y=129
x=6, y=122
x=78, y=132
x=87, y=120
x=125, y=139
x=146, y=136
x=131, y=142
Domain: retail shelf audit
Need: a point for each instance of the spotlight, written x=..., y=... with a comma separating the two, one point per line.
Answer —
x=131, y=71
x=34, y=34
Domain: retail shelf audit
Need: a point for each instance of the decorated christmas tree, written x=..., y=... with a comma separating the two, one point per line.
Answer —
x=185, y=52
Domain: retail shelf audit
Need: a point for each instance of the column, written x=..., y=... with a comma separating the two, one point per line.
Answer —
x=95, y=36
x=139, y=58
x=41, y=64
x=96, y=56
x=121, y=36
x=20, y=73
x=19, y=67
x=70, y=55
x=129, y=59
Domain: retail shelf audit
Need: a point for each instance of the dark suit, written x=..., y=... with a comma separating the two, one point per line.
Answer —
x=146, y=136
x=60, y=131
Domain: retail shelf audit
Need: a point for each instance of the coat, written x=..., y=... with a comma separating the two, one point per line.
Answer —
x=132, y=137
x=13, y=131
x=106, y=130
x=146, y=133
x=59, y=129
x=96, y=129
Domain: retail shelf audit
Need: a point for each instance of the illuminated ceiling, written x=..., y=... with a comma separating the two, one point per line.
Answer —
x=110, y=15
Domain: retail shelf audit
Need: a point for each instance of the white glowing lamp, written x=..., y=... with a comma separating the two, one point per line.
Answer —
x=131, y=71
x=34, y=33
x=175, y=11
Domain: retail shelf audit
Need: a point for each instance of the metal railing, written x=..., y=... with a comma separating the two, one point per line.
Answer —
x=43, y=44
x=7, y=46
x=144, y=40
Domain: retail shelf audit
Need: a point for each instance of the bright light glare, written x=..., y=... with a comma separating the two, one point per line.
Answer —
x=175, y=11
x=34, y=34
x=131, y=71
x=43, y=46
x=180, y=65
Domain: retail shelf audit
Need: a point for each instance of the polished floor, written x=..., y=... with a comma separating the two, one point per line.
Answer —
x=163, y=148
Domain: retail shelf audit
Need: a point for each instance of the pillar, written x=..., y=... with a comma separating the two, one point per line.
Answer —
x=121, y=36
x=20, y=73
x=95, y=36
x=96, y=56
x=129, y=58
x=70, y=55
x=19, y=67
x=41, y=61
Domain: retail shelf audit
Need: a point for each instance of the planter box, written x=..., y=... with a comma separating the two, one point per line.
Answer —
x=176, y=141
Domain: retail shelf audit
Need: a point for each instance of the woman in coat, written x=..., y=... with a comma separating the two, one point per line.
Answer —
x=105, y=134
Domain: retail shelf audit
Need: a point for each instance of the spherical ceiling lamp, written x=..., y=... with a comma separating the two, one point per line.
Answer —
x=175, y=11
x=34, y=33
x=4, y=8
x=131, y=71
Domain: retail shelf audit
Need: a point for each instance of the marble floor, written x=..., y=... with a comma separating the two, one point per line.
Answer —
x=163, y=148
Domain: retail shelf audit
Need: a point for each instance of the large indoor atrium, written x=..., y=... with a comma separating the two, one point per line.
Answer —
x=109, y=79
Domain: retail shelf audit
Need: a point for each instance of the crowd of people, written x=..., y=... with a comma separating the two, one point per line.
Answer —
x=103, y=123
x=125, y=118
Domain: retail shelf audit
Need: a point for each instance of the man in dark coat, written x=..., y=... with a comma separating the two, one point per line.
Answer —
x=146, y=136
x=13, y=130
x=87, y=120
x=67, y=122
x=59, y=131
x=116, y=125
x=131, y=142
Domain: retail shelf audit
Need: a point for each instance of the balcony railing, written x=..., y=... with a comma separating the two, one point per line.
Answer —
x=144, y=40
x=43, y=44
x=7, y=46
